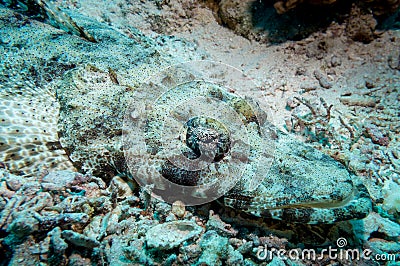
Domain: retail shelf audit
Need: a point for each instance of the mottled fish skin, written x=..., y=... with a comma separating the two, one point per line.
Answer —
x=302, y=185
x=303, y=192
x=78, y=125
x=356, y=208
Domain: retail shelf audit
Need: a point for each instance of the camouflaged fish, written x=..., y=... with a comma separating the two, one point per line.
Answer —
x=304, y=186
x=78, y=123
x=281, y=178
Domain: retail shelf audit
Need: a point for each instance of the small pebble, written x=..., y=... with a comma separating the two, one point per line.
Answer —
x=335, y=61
x=369, y=84
x=395, y=154
x=300, y=71
x=323, y=81
x=291, y=104
x=178, y=208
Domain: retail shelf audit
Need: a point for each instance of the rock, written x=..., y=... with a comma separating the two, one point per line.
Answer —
x=190, y=251
x=291, y=104
x=122, y=189
x=178, y=209
x=376, y=135
x=171, y=234
x=379, y=246
x=394, y=61
x=282, y=6
x=391, y=203
x=215, y=223
x=307, y=87
x=246, y=247
x=276, y=261
x=369, y=83
x=249, y=262
x=23, y=255
x=60, y=178
x=215, y=249
x=359, y=100
x=170, y=260
x=336, y=61
x=121, y=253
x=259, y=21
x=301, y=71
x=360, y=26
x=57, y=247
x=24, y=225
x=323, y=81
x=234, y=257
x=77, y=260
x=64, y=220
x=171, y=217
x=374, y=223
x=13, y=182
x=273, y=241
x=135, y=252
x=237, y=15
x=57, y=244
x=79, y=239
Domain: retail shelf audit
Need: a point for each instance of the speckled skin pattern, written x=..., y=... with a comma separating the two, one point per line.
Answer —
x=303, y=185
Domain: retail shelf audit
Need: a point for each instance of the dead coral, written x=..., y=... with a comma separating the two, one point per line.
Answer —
x=359, y=100
x=215, y=223
x=57, y=247
x=79, y=240
x=32, y=212
x=63, y=221
x=171, y=234
x=313, y=125
x=323, y=81
x=376, y=135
